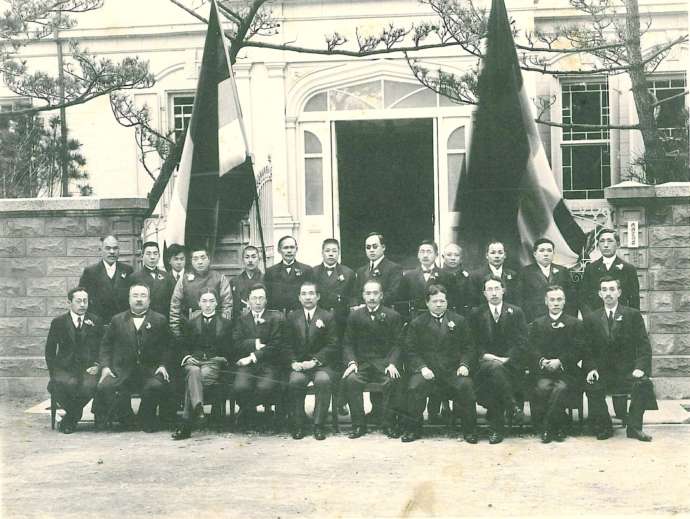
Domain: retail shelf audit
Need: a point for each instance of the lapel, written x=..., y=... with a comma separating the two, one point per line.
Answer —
x=71, y=331
x=440, y=331
x=603, y=322
x=103, y=274
x=488, y=318
x=617, y=321
x=219, y=325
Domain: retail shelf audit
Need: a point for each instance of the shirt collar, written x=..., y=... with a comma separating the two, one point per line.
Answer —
x=609, y=310
x=286, y=264
x=496, y=307
x=437, y=316
x=374, y=310
x=608, y=261
x=545, y=270
x=209, y=316
x=497, y=271
x=259, y=315
x=327, y=267
x=110, y=268
x=555, y=317
x=377, y=262
x=75, y=317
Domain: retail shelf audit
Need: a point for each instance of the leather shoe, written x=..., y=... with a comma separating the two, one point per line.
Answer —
x=182, y=433
x=546, y=437
x=298, y=434
x=319, y=433
x=149, y=428
x=357, y=432
x=391, y=432
x=471, y=438
x=495, y=437
x=560, y=436
x=638, y=434
x=66, y=427
x=604, y=434
x=410, y=437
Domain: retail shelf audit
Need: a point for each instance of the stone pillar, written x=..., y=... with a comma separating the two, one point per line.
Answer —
x=44, y=246
x=663, y=260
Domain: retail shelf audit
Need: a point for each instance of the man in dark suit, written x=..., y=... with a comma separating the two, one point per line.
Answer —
x=461, y=293
x=259, y=351
x=240, y=284
x=205, y=350
x=381, y=269
x=107, y=281
x=534, y=279
x=495, y=266
x=161, y=283
x=500, y=334
x=311, y=336
x=71, y=354
x=608, y=265
x=136, y=356
x=440, y=356
x=372, y=350
x=176, y=261
x=556, y=343
x=618, y=360
x=284, y=279
x=414, y=282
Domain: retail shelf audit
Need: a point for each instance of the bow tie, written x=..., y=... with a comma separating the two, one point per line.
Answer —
x=208, y=318
x=137, y=316
x=330, y=269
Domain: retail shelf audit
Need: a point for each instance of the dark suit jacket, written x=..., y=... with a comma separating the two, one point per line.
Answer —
x=71, y=351
x=413, y=286
x=202, y=343
x=337, y=290
x=462, y=296
x=617, y=354
x=510, y=280
x=624, y=272
x=388, y=273
x=239, y=286
x=376, y=343
x=507, y=338
x=161, y=288
x=123, y=355
x=283, y=288
x=441, y=348
x=107, y=297
x=319, y=342
x=562, y=339
x=271, y=333
x=533, y=284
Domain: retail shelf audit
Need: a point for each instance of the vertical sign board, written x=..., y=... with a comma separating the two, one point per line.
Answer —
x=633, y=226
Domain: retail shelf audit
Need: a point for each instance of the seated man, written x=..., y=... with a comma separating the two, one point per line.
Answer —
x=136, y=355
x=312, y=339
x=373, y=352
x=258, y=347
x=206, y=347
x=618, y=360
x=441, y=354
x=72, y=358
x=500, y=334
x=556, y=346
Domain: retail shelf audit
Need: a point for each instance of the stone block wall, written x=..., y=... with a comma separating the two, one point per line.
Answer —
x=44, y=246
x=663, y=260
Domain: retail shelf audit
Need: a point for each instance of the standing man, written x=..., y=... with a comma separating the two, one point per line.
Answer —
x=258, y=345
x=414, y=283
x=608, y=265
x=461, y=293
x=240, y=284
x=136, y=356
x=441, y=356
x=556, y=343
x=177, y=260
x=185, y=298
x=495, y=266
x=284, y=279
x=618, y=360
x=500, y=334
x=534, y=279
x=312, y=341
x=373, y=352
x=161, y=283
x=206, y=348
x=107, y=281
x=379, y=268
x=71, y=354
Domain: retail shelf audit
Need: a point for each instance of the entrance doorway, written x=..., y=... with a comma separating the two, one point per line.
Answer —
x=385, y=184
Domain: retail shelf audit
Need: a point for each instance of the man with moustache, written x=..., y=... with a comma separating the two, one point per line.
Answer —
x=284, y=279
x=495, y=266
x=379, y=268
x=458, y=282
x=161, y=283
x=240, y=284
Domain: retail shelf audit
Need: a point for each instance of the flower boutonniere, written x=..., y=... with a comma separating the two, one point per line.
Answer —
x=509, y=276
x=376, y=273
x=554, y=270
x=319, y=323
x=619, y=266
x=557, y=325
x=298, y=272
x=260, y=320
x=510, y=311
x=341, y=278
x=88, y=322
x=619, y=318
x=451, y=325
x=123, y=275
x=148, y=326
x=190, y=277
x=161, y=276
x=434, y=275
x=465, y=273
x=382, y=317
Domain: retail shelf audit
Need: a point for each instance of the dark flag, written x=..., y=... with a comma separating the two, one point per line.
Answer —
x=215, y=184
x=508, y=191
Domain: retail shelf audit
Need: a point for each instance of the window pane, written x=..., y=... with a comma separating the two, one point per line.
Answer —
x=365, y=96
x=456, y=141
x=456, y=167
x=182, y=113
x=422, y=99
x=393, y=91
x=311, y=143
x=316, y=103
x=313, y=188
x=587, y=104
x=586, y=170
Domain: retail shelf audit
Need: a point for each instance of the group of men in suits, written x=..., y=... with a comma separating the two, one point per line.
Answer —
x=441, y=333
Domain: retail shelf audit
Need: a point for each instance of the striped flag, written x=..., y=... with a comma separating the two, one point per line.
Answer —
x=215, y=183
x=508, y=191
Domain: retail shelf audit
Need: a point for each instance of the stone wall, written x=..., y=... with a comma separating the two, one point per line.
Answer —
x=663, y=260
x=44, y=246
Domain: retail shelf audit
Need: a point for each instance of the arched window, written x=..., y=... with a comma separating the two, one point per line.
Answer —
x=456, y=163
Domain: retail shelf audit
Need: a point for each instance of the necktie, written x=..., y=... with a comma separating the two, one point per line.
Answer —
x=497, y=316
x=79, y=323
x=371, y=266
x=330, y=270
x=256, y=319
x=372, y=315
x=153, y=273
x=610, y=319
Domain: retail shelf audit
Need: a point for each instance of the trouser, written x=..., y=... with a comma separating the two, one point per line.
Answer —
x=297, y=391
x=495, y=383
x=207, y=374
x=254, y=385
x=459, y=389
x=548, y=402
x=354, y=388
x=641, y=398
x=72, y=392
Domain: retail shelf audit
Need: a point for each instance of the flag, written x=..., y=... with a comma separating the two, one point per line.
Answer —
x=215, y=183
x=508, y=192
